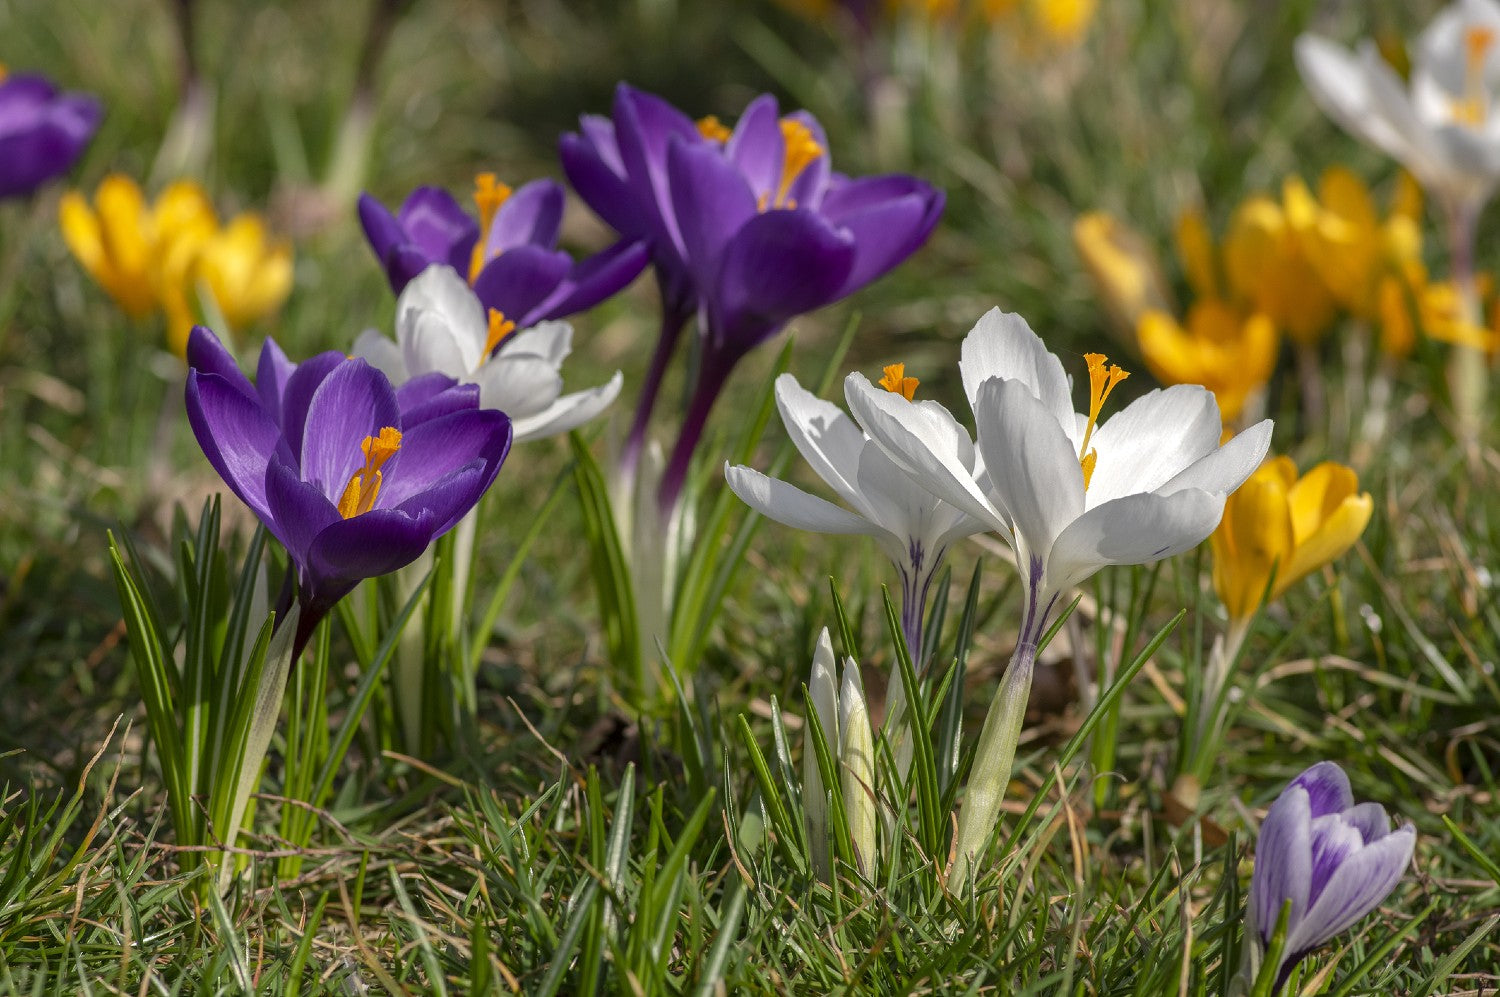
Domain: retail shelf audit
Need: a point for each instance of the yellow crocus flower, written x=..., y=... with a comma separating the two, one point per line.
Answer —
x=113, y=241
x=1266, y=266
x=248, y=273
x=1353, y=250
x=1122, y=265
x=154, y=257
x=1279, y=522
x=1230, y=353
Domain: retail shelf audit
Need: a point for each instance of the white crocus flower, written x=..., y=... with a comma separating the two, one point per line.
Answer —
x=441, y=327
x=1069, y=494
x=912, y=525
x=1445, y=125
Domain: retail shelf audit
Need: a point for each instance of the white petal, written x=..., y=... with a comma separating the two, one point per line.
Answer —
x=1001, y=344
x=791, y=506
x=568, y=412
x=926, y=442
x=1227, y=467
x=824, y=690
x=1153, y=439
x=551, y=341
x=520, y=385
x=383, y=354
x=438, y=298
x=1136, y=529
x=1369, y=819
x=1358, y=886
x=827, y=438
x=1032, y=464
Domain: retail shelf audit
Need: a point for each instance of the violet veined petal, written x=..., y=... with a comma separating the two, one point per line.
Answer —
x=516, y=282
x=354, y=401
x=237, y=436
x=530, y=216
x=1354, y=889
x=1283, y=863
x=1327, y=789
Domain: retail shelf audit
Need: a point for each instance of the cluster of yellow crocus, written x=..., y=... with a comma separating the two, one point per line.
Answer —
x=1054, y=22
x=172, y=254
x=1282, y=525
x=1290, y=265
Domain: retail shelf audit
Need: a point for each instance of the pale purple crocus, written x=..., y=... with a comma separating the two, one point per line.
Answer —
x=354, y=477
x=509, y=256
x=753, y=223
x=1334, y=860
x=42, y=131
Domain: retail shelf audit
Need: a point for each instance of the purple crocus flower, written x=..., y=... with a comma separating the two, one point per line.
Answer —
x=510, y=256
x=354, y=477
x=1334, y=860
x=42, y=132
x=753, y=223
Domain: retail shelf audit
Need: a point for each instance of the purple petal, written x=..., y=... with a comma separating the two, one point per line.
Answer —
x=299, y=509
x=353, y=402
x=375, y=543
x=382, y=231
x=237, y=436
x=887, y=232
x=450, y=498
x=271, y=376
x=432, y=395
x=1356, y=888
x=518, y=281
x=531, y=216
x=207, y=354
x=712, y=202
x=1327, y=789
x=645, y=125
x=756, y=149
x=779, y=265
x=41, y=134
x=443, y=231
x=602, y=185
x=1283, y=863
x=1369, y=819
x=436, y=448
x=298, y=393
x=590, y=281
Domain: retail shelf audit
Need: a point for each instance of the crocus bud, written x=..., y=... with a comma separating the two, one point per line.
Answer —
x=823, y=689
x=857, y=754
x=1332, y=860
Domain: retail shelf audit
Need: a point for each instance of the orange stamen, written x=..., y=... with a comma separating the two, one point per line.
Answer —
x=1473, y=108
x=711, y=128
x=1102, y=381
x=802, y=150
x=489, y=195
x=500, y=327
x=897, y=383
x=364, y=487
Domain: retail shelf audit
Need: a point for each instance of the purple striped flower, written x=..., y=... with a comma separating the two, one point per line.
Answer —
x=748, y=228
x=354, y=477
x=509, y=256
x=1334, y=860
x=42, y=132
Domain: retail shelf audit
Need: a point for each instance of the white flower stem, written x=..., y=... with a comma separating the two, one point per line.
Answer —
x=992, y=762
x=1468, y=373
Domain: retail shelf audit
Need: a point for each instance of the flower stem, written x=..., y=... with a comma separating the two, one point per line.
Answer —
x=1468, y=374
x=993, y=760
x=672, y=322
x=711, y=377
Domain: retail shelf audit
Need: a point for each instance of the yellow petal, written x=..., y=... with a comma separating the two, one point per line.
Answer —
x=1195, y=247
x=1331, y=540
x=1124, y=268
x=1254, y=535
